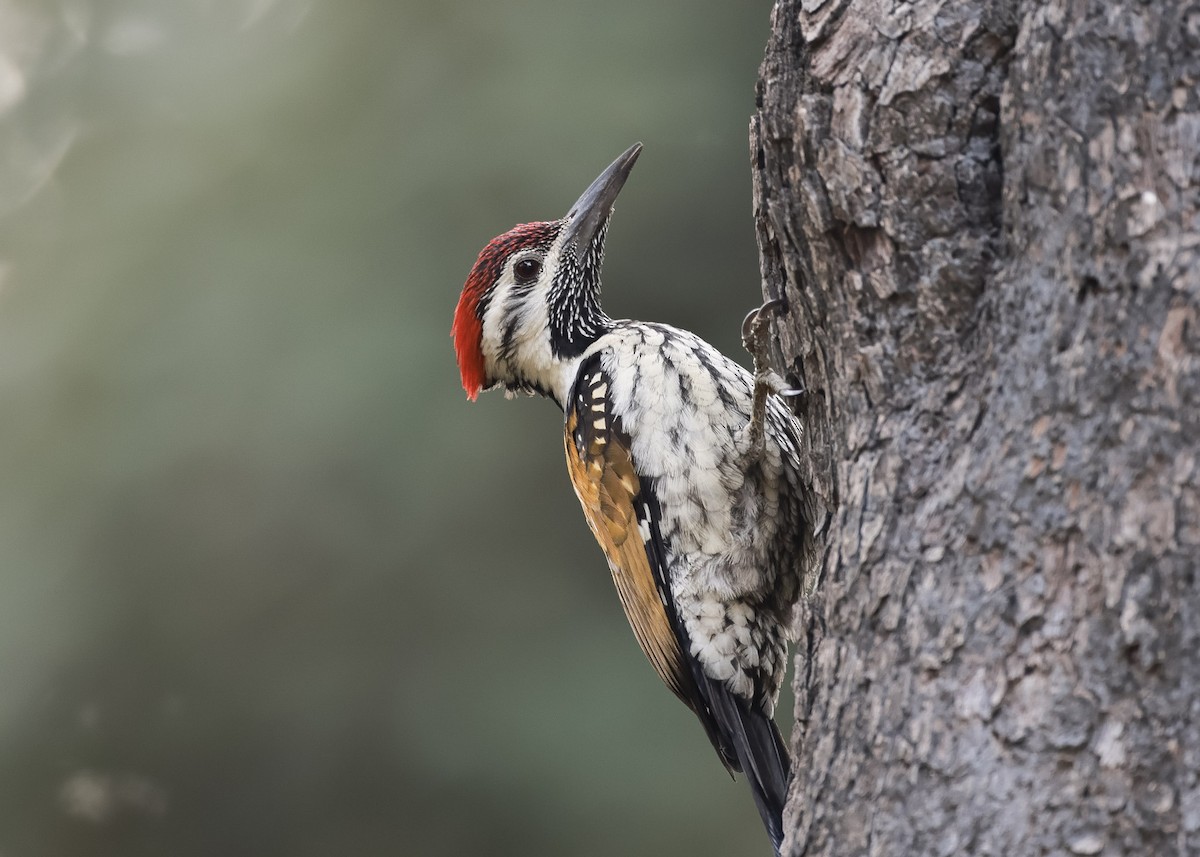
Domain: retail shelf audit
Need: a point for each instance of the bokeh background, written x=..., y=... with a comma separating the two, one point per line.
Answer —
x=269, y=585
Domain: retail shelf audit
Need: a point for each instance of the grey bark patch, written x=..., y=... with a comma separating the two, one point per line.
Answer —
x=985, y=217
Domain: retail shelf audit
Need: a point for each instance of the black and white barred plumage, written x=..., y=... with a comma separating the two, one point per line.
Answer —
x=702, y=520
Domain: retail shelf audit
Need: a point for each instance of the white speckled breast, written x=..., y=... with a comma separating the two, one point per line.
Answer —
x=731, y=523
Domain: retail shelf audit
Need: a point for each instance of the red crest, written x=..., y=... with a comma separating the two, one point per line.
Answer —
x=467, y=329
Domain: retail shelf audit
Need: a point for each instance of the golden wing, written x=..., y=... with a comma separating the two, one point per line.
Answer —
x=611, y=493
x=623, y=512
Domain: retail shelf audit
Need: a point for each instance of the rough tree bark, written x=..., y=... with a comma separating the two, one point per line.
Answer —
x=985, y=216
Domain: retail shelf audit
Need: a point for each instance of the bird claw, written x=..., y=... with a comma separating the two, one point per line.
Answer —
x=755, y=333
x=770, y=379
x=755, y=320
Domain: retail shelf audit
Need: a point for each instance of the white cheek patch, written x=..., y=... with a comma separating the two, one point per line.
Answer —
x=493, y=320
x=516, y=332
x=521, y=309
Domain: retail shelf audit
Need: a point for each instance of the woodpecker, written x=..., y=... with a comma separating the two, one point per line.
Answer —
x=685, y=463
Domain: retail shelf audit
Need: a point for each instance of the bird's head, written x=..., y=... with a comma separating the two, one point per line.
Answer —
x=531, y=304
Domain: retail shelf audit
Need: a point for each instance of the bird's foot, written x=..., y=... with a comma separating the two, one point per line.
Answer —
x=756, y=330
x=756, y=337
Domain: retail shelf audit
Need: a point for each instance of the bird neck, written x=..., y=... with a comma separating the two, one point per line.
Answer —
x=549, y=368
x=575, y=318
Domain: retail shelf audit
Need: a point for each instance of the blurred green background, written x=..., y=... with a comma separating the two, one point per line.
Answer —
x=268, y=583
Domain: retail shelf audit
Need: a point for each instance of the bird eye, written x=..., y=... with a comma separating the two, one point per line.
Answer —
x=527, y=270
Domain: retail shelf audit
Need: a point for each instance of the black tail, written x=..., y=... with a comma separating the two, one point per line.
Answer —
x=750, y=742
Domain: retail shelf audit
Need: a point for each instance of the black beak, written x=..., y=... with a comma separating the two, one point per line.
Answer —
x=591, y=210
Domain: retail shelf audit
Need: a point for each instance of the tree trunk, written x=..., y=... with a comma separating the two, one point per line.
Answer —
x=985, y=217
